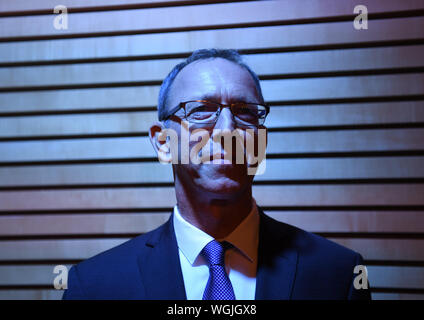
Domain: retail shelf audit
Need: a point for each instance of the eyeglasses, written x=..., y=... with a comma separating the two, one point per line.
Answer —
x=207, y=112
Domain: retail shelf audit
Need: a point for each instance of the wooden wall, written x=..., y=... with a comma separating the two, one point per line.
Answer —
x=346, y=150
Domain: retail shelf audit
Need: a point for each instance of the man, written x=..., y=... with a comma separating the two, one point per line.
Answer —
x=217, y=244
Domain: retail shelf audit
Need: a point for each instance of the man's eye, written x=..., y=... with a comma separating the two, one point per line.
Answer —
x=202, y=112
x=247, y=112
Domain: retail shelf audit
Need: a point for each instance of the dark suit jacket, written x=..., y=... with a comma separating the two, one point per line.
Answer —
x=292, y=264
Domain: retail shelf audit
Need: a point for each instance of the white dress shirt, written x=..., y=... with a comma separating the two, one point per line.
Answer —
x=240, y=261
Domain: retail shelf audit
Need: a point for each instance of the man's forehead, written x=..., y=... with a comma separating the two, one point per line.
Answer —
x=209, y=78
x=212, y=68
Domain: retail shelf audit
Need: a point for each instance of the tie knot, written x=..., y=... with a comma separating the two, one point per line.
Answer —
x=214, y=252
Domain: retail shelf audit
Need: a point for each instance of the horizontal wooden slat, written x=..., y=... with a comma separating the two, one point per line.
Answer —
x=190, y=16
x=280, y=116
x=184, y=42
x=385, y=249
x=274, y=90
x=293, y=63
x=353, y=221
x=77, y=124
x=370, y=194
x=345, y=114
x=31, y=294
x=137, y=223
x=289, y=63
x=149, y=172
x=145, y=96
x=146, y=70
x=353, y=87
x=396, y=277
x=154, y=172
x=334, y=7
x=279, y=142
x=28, y=275
x=24, y=5
x=163, y=197
x=375, y=249
x=382, y=277
x=74, y=224
x=396, y=296
x=55, y=249
x=159, y=18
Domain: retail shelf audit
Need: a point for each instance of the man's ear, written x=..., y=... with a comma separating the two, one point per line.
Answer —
x=160, y=142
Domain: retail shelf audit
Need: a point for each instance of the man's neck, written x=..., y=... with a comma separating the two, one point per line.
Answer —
x=216, y=215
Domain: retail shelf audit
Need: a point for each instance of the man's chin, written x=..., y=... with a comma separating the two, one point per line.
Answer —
x=222, y=186
x=225, y=179
x=223, y=167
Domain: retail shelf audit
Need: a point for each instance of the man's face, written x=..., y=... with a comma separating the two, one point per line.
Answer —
x=222, y=81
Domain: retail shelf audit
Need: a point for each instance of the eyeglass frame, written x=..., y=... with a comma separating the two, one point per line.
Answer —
x=182, y=105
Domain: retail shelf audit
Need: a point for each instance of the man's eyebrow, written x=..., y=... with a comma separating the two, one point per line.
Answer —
x=215, y=98
x=209, y=97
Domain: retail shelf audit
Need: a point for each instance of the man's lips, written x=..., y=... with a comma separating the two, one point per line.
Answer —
x=219, y=158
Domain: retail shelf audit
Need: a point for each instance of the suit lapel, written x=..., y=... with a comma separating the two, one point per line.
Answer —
x=277, y=261
x=160, y=266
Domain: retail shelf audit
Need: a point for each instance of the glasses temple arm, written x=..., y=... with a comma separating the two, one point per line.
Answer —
x=171, y=112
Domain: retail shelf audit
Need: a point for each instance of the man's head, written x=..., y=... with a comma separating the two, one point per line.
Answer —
x=202, y=54
x=220, y=77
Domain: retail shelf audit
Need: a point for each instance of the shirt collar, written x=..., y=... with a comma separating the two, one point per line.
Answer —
x=245, y=236
x=191, y=240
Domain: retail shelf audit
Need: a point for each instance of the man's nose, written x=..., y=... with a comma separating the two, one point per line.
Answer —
x=225, y=120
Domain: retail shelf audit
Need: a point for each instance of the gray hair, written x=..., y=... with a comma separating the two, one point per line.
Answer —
x=202, y=54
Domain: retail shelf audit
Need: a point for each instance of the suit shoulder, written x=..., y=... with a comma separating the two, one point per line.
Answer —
x=116, y=257
x=308, y=243
x=324, y=268
x=113, y=273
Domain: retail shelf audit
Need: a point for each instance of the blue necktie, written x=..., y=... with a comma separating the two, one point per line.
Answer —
x=219, y=286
